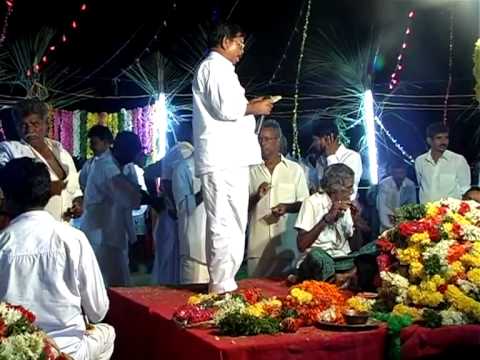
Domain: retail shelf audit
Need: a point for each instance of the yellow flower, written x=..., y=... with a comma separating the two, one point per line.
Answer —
x=432, y=209
x=301, y=296
x=401, y=309
x=416, y=269
x=470, y=260
x=420, y=238
x=460, y=219
x=360, y=304
x=256, y=310
x=437, y=280
x=408, y=255
x=462, y=302
x=199, y=298
x=474, y=276
x=454, y=269
x=448, y=228
x=424, y=296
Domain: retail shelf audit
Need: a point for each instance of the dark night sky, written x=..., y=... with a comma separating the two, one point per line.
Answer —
x=108, y=24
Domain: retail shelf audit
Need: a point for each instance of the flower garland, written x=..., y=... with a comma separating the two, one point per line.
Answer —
x=431, y=263
x=20, y=339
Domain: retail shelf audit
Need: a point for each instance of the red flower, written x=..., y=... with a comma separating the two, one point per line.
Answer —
x=431, y=226
x=252, y=295
x=384, y=261
x=49, y=352
x=442, y=288
x=25, y=313
x=442, y=210
x=408, y=228
x=456, y=251
x=3, y=329
x=464, y=208
x=457, y=229
x=385, y=245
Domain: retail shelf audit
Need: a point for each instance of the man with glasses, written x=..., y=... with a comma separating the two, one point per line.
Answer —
x=225, y=146
x=277, y=188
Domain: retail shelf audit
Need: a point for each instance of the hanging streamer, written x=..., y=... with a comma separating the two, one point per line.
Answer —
x=450, y=65
x=295, y=145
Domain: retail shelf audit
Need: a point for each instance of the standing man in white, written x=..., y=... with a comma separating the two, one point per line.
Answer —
x=225, y=146
x=441, y=173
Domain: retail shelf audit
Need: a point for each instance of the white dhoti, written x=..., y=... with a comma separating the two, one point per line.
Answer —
x=193, y=271
x=100, y=341
x=225, y=195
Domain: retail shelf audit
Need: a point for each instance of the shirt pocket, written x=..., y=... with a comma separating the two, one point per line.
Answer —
x=285, y=194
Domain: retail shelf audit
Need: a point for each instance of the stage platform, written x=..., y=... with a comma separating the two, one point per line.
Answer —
x=142, y=320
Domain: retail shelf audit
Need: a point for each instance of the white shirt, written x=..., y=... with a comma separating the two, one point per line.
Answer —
x=57, y=204
x=334, y=238
x=192, y=219
x=448, y=177
x=288, y=185
x=222, y=135
x=49, y=268
x=110, y=197
x=390, y=198
x=343, y=156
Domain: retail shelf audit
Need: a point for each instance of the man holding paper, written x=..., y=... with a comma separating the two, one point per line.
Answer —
x=277, y=188
x=225, y=146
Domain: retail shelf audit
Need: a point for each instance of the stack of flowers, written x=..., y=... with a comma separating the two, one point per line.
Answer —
x=430, y=264
x=20, y=339
x=250, y=313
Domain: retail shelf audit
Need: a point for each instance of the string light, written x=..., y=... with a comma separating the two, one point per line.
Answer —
x=368, y=112
x=3, y=34
x=394, y=141
x=395, y=77
x=147, y=48
x=284, y=55
x=62, y=40
x=295, y=145
x=450, y=64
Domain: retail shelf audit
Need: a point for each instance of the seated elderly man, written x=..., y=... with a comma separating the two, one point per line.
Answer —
x=324, y=226
x=49, y=267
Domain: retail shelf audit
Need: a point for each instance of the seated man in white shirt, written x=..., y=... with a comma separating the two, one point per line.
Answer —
x=49, y=267
x=277, y=189
x=325, y=225
x=393, y=192
x=441, y=173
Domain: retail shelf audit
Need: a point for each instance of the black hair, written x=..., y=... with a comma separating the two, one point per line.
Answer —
x=127, y=141
x=101, y=132
x=324, y=128
x=397, y=164
x=27, y=107
x=221, y=31
x=26, y=183
x=435, y=129
x=472, y=189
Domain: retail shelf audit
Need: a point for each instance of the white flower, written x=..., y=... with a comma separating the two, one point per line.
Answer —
x=22, y=347
x=329, y=315
x=397, y=281
x=468, y=287
x=471, y=232
x=227, y=306
x=440, y=249
x=452, y=316
x=9, y=315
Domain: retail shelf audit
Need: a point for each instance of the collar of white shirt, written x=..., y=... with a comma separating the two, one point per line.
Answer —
x=283, y=161
x=445, y=156
x=217, y=56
